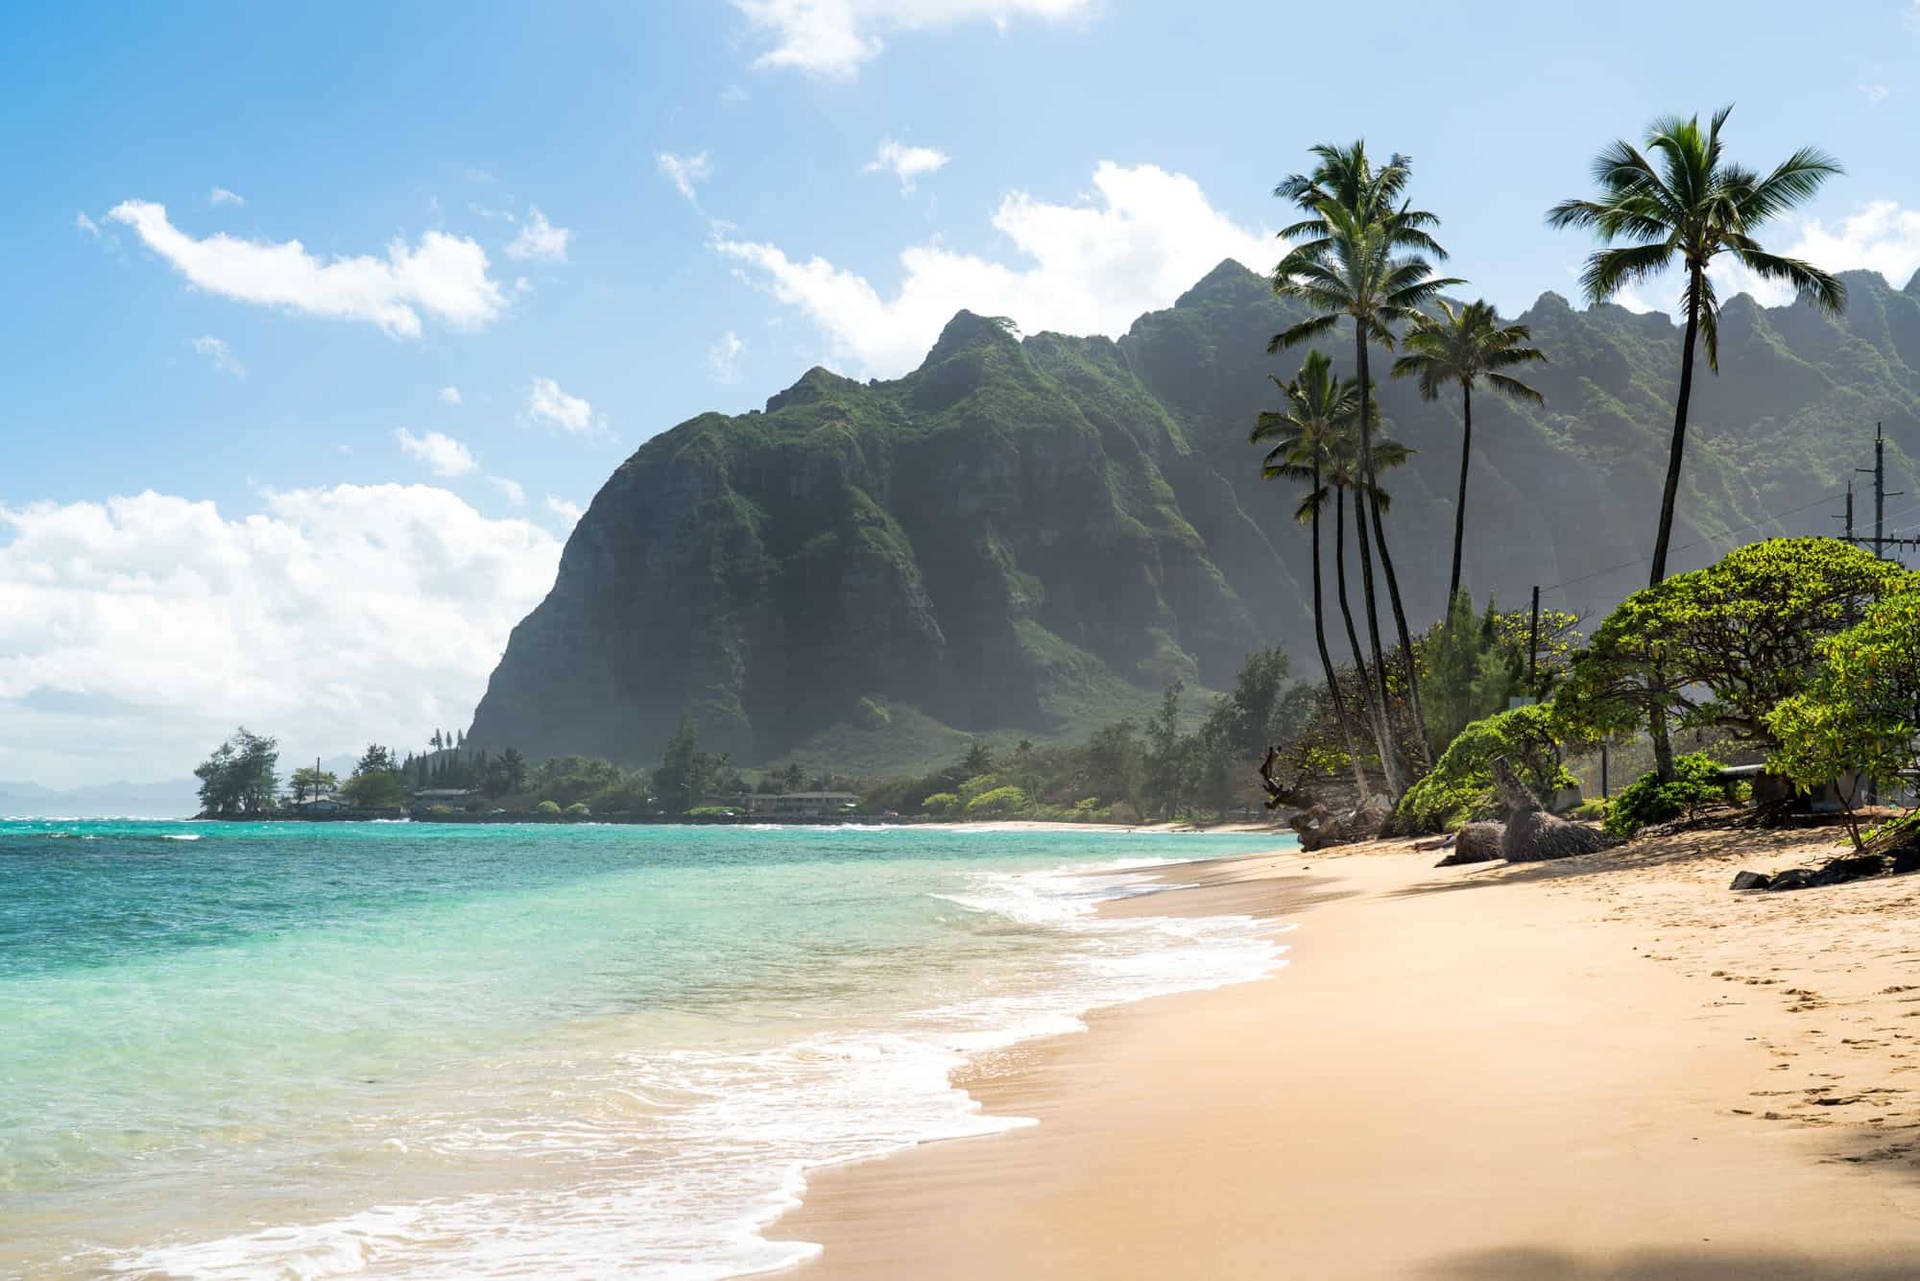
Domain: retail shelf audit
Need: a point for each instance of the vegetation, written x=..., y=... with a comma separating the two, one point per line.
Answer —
x=1460, y=786
x=1649, y=799
x=1462, y=347
x=239, y=779
x=1858, y=717
x=1720, y=647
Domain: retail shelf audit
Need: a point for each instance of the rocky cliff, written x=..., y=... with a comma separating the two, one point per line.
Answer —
x=1031, y=535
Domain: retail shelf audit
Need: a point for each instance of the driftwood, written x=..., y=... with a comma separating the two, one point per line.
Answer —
x=1475, y=843
x=1319, y=827
x=1533, y=835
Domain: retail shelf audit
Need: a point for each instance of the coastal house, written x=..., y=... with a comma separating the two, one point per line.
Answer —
x=805, y=804
x=451, y=797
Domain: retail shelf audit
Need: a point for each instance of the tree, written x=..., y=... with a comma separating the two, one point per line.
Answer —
x=685, y=771
x=1684, y=205
x=239, y=778
x=1304, y=439
x=1166, y=764
x=978, y=760
x=1859, y=716
x=312, y=781
x=1721, y=647
x=375, y=790
x=1358, y=256
x=1116, y=764
x=376, y=759
x=1462, y=347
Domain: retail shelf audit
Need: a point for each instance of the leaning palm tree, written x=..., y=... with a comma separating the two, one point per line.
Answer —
x=1358, y=256
x=1682, y=203
x=1343, y=477
x=1463, y=346
x=1304, y=437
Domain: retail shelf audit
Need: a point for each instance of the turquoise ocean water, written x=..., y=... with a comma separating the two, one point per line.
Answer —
x=397, y=1050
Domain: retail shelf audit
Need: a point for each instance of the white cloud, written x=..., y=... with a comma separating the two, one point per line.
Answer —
x=723, y=358
x=450, y=395
x=135, y=633
x=443, y=455
x=566, y=511
x=510, y=490
x=685, y=172
x=833, y=37
x=221, y=196
x=549, y=406
x=443, y=275
x=904, y=162
x=1876, y=93
x=1143, y=239
x=87, y=224
x=539, y=240
x=217, y=351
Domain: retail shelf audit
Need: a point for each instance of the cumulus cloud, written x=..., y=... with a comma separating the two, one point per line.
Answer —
x=723, y=358
x=549, y=406
x=834, y=37
x=539, y=240
x=569, y=513
x=905, y=163
x=135, y=633
x=510, y=490
x=444, y=276
x=442, y=454
x=221, y=196
x=1142, y=239
x=450, y=395
x=222, y=357
x=685, y=172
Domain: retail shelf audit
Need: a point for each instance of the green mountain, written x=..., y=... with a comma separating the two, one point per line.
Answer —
x=1033, y=535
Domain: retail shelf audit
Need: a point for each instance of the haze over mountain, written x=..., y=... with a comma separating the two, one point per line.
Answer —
x=1032, y=535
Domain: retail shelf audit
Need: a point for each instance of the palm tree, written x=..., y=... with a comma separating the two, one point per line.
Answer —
x=1358, y=256
x=1463, y=346
x=1318, y=407
x=1682, y=203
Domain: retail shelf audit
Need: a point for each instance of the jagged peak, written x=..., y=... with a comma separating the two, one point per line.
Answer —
x=1229, y=280
x=968, y=329
x=816, y=384
x=1913, y=285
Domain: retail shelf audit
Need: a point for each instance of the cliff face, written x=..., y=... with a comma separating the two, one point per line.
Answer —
x=1032, y=535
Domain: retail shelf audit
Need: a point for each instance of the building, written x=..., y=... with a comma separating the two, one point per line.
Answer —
x=804, y=804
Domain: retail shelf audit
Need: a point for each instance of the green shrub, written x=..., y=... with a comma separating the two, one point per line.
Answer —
x=940, y=803
x=578, y=808
x=1592, y=809
x=439, y=809
x=712, y=811
x=997, y=803
x=547, y=807
x=1459, y=787
x=1647, y=800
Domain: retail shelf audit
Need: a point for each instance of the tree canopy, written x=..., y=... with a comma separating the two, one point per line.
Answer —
x=239, y=778
x=1721, y=647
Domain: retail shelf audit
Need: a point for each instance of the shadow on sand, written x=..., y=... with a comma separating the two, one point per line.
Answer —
x=1532, y=1263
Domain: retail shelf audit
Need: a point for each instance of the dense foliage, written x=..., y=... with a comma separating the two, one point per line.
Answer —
x=1720, y=647
x=1459, y=787
x=239, y=778
x=1647, y=800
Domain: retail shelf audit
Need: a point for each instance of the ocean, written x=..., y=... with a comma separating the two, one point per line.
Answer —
x=395, y=1050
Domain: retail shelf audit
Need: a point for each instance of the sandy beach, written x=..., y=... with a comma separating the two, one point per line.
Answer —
x=1609, y=1067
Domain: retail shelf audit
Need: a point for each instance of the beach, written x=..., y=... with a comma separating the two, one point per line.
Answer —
x=1607, y=1067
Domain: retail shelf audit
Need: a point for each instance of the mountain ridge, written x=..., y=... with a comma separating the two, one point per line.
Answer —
x=1026, y=534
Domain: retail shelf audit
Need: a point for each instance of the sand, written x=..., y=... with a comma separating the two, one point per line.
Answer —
x=1610, y=1067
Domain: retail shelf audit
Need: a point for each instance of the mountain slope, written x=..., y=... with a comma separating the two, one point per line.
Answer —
x=1034, y=535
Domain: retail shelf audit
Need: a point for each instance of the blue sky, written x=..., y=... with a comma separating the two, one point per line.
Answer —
x=232, y=483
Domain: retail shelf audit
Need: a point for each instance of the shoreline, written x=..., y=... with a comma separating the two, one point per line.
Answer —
x=1606, y=1067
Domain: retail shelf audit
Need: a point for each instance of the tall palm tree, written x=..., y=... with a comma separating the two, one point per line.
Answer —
x=1304, y=437
x=1682, y=203
x=1343, y=477
x=1358, y=256
x=1463, y=346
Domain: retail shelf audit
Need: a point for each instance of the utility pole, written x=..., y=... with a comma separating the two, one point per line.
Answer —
x=1533, y=646
x=1880, y=541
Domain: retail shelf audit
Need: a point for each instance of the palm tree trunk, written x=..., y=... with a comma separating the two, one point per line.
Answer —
x=1460, y=503
x=1326, y=659
x=1360, y=521
x=1376, y=709
x=1676, y=452
x=1372, y=505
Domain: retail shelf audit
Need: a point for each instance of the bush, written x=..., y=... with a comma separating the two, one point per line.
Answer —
x=712, y=811
x=940, y=803
x=547, y=807
x=997, y=803
x=1647, y=800
x=579, y=808
x=1592, y=809
x=1459, y=787
x=439, y=809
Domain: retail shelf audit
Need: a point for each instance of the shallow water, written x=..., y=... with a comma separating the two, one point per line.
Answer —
x=399, y=1050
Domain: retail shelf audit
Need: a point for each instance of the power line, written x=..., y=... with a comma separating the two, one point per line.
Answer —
x=1740, y=529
